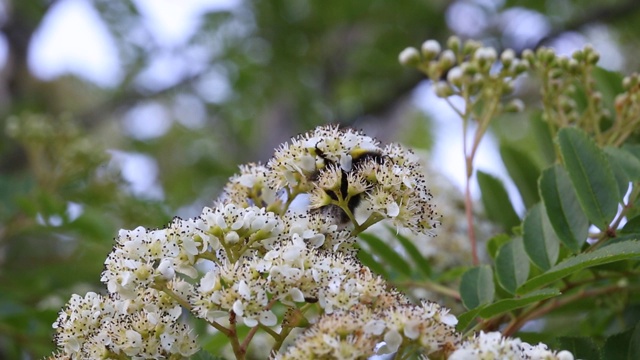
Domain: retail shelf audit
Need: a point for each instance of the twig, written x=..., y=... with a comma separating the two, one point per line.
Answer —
x=554, y=304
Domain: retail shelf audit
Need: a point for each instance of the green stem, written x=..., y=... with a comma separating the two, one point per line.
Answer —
x=607, y=234
x=233, y=337
x=468, y=204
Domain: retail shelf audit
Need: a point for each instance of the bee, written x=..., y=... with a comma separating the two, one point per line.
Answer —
x=358, y=159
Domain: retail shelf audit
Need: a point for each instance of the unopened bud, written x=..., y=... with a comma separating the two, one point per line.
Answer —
x=629, y=82
x=469, y=69
x=470, y=47
x=515, y=105
x=546, y=55
x=430, y=49
x=453, y=43
x=508, y=87
x=455, y=76
x=520, y=66
x=409, y=57
x=443, y=89
x=528, y=55
x=578, y=55
x=486, y=54
x=507, y=57
x=573, y=66
x=447, y=59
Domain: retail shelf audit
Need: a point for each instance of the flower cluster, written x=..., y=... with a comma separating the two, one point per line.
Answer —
x=489, y=346
x=469, y=70
x=145, y=258
x=290, y=273
x=253, y=256
x=393, y=325
x=99, y=327
x=345, y=171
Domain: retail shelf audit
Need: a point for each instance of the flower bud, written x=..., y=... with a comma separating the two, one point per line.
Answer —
x=455, y=76
x=443, y=89
x=546, y=55
x=528, y=55
x=556, y=73
x=563, y=62
x=447, y=60
x=573, y=66
x=515, y=105
x=630, y=81
x=430, y=49
x=593, y=58
x=508, y=87
x=521, y=66
x=578, y=55
x=453, y=43
x=470, y=47
x=507, y=57
x=487, y=54
x=469, y=69
x=409, y=57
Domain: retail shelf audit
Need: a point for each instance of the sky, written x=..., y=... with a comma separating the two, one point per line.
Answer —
x=73, y=39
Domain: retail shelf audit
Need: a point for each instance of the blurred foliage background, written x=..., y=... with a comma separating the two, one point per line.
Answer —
x=78, y=161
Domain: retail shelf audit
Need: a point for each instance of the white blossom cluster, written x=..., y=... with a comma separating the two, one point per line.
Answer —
x=145, y=327
x=492, y=345
x=251, y=256
x=344, y=170
x=289, y=273
x=394, y=323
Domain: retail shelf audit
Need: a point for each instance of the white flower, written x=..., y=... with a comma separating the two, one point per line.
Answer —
x=393, y=340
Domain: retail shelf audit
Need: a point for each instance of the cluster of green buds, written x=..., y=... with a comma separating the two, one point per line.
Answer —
x=469, y=70
x=57, y=147
x=563, y=78
x=627, y=107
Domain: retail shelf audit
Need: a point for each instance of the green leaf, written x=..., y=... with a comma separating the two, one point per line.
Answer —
x=386, y=253
x=466, y=318
x=623, y=346
x=476, y=287
x=591, y=176
x=604, y=255
x=546, y=146
x=367, y=260
x=626, y=160
x=524, y=172
x=632, y=226
x=495, y=243
x=496, y=201
x=505, y=305
x=622, y=179
x=512, y=265
x=581, y=347
x=452, y=274
x=540, y=241
x=563, y=210
x=420, y=261
x=634, y=343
